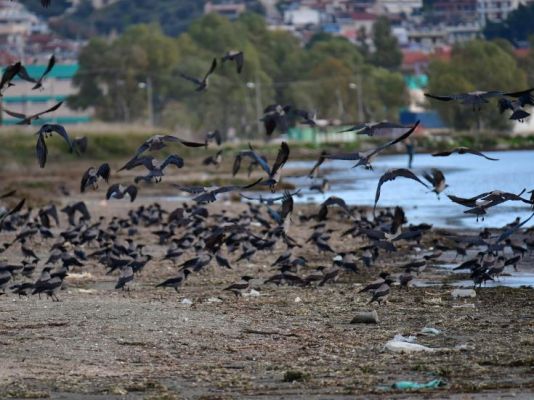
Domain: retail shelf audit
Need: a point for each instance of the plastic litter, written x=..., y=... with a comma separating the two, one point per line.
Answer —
x=298, y=300
x=187, y=302
x=409, y=385
x=430, y=331
x=214, y=300
x=407, y=347
x=463, y=293
x=406, y=339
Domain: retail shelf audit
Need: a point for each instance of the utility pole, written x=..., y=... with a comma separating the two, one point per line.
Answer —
x=259, y=107
x=360, y=98
x=150, y=102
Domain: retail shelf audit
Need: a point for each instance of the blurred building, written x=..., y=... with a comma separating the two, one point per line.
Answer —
x=228, y=8
x=57, y=87
x=497, y=10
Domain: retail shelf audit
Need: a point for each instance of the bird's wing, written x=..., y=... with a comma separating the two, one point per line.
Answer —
x=240, y=61
x=186, y=143
x=334, y=200
x=174, y=160
x=491, y=93
x=115, y=188
x=392, y=175
x=216, y=134
x=51, y=63
x=51, y=109
x=190, y=78
x=281, y=158
x=518, y=94
x=478, y=153
x=85, y=178
x=269, y=122
x=237, y=165
x=356, y=128
x=8, y=194
x=81, y=207
x=41, y=151
x=81, y=144
x=344, y=156
x=443, y=154
x=429, y=178
x=15, y=114
x=132, y=192
x=190, y=189
x=23, y=74
x=212, y=69
x=318, y=163
x=255, y=157
x=395, y=141
x=104, y=171
x=61, y=131
x=146, y=161
x=441, y=98
x=438, y=175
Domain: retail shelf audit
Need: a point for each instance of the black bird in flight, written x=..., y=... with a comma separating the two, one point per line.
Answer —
x=10, y=72
x=378, y=129
x=274, y=173
x=51, y=63
x=393, y=174
x=365, y=158
x=118, y=191
x=463, y=150
x=275, y=116
x=93, y=175
x=520, y=100
x=202, y=84
x=155, y=167
x=158, y=142
x=45, y=131
x=237, y=56
x=475, y=99
x=28, y=119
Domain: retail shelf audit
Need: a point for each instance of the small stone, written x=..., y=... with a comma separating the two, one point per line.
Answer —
x=365, y=318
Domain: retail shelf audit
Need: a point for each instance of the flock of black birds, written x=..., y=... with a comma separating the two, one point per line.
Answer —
x=192, y=237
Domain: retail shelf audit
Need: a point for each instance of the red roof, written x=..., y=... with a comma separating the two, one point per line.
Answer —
x=411, y=58
x=522, y=53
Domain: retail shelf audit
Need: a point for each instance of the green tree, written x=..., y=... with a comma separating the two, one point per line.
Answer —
x=387, y=53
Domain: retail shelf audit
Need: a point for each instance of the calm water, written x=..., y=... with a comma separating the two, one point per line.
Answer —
x=466, y=175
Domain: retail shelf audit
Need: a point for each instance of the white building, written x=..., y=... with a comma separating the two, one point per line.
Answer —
x=497, y=10
x=407, y=7
x=302, y=16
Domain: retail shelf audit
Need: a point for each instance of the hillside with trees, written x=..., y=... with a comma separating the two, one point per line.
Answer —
x=323, y=77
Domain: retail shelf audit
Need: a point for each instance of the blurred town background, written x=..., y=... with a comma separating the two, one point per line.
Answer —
x=348, y=60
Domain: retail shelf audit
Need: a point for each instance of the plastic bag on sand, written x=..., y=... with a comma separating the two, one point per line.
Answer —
x=407, y=385
x=399, y=346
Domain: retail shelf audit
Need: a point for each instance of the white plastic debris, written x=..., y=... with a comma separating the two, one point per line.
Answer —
x=463, y=293
x=407, y=339
x=214, y=300
x=406, y=347
x=467, y=305
x=254, y=293
x=430, y=331
x=187, y=302
x=298, y=300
